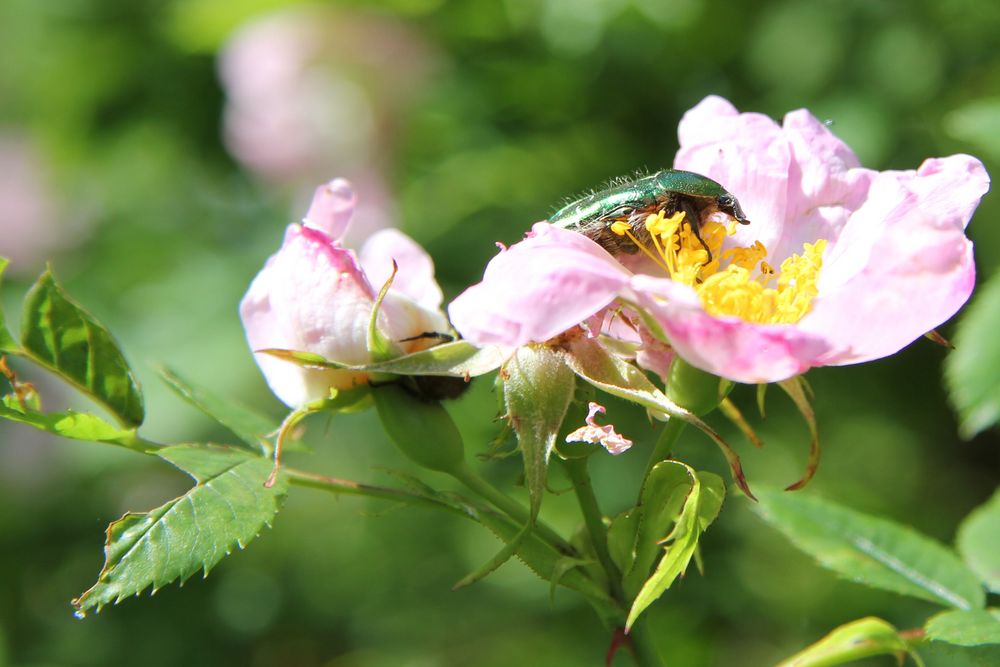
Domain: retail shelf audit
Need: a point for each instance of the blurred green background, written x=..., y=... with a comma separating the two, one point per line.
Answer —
x=154, y=151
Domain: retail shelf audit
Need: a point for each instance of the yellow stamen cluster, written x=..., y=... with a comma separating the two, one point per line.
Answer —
x=740, y=288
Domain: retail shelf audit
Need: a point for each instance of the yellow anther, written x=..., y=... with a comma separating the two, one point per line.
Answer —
x=620, y=227
x=735, y=281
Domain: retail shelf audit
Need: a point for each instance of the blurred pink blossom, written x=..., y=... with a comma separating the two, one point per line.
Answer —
x=316, y=296
x=869, y=261
x=29, y=221
x=314, y=91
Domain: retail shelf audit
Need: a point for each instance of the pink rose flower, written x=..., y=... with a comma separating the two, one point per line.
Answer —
x=840, y=265
x=313, y=295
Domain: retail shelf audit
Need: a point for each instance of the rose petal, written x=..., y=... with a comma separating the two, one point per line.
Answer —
x=310, y=296
x=331, y=208
x=904, y=265
x=538, y=288
x=726, y=346
x=415, y=275
x=747, y=155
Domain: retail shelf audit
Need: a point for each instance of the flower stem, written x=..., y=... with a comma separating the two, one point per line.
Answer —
x=477, y=484
x=646, y=653
x=665, y=444
x=576, y=468
x=350, y=487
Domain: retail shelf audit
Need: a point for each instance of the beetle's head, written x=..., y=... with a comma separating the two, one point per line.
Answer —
x=728, y=205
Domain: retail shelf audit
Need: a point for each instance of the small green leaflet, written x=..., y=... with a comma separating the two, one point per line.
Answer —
x=227, y=507
x=979, y=542
x=673, y=494
x=76, y=425
x=458, y=358
x=7, y=342
x=248, y=425
x=872, y=551
x=59, y=334
x=965, y=628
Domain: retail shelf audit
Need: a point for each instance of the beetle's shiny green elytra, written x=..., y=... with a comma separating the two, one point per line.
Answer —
x=631, y=200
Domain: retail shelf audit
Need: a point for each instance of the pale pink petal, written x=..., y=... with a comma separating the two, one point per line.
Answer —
x=332, y=207
x=747, y=155
x=903, y=265
x=415, y=275
x=726, y=346
x=311, y=296
x=404, y=321
x=538, y=288
x=595, y=434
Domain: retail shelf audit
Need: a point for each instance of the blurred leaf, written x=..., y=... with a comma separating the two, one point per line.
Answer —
x=979, y=542
x=852, y=641
x=978, y=123
x=62, y=336
x=75, y=425
x=538, y=388
x=871, y=551
x=965, y=628
x=227, y=507
x=972, y=371
x=7, y=342
x=248, y=425
x=457, y=359
x=673, y=494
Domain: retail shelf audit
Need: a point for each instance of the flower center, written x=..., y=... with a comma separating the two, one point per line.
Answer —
x=737, y=281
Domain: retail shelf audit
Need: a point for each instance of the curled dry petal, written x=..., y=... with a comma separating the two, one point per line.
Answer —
x=595, y=434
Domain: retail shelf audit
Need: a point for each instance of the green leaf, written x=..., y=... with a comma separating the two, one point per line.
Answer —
x=972, y=370
x=538, y=388
x=7, y=342
x=621, y=538
x=458, y=358
x=227, y=507
x=859, y=639
x=871, y=551
x=59, y=334
x=248, y=425
x=75, y=425
x=673, y=494
x=979, y=542
x=965, y=628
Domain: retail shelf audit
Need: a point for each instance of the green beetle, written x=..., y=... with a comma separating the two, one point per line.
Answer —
x=632, y=199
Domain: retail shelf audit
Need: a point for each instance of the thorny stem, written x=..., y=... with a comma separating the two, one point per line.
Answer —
x=646, y=653
x=477, y=484
x=576, y=468
x=350, y=487
x=665, y=444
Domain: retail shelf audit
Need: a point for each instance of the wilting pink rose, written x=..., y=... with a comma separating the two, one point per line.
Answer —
x=839, y=265
x=316, y=296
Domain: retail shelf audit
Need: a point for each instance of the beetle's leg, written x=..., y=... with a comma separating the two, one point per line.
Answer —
x=693, y=217
x=435, y=335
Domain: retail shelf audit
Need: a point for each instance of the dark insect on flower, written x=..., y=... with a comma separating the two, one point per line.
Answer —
x=631, y=200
